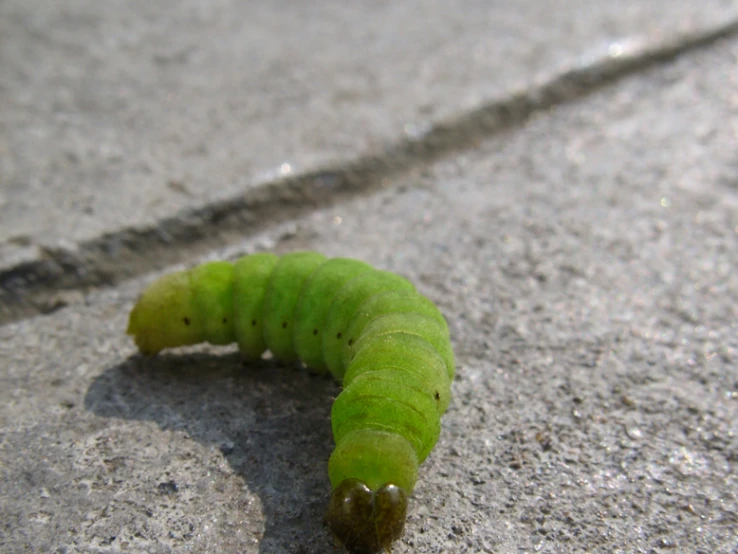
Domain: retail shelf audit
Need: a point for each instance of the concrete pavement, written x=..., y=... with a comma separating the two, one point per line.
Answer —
x=584, y=257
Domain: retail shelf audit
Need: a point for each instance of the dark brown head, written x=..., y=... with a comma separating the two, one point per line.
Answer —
x=367, y=521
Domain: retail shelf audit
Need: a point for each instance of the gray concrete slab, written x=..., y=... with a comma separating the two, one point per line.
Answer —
x=586, y=264
x=120, y=114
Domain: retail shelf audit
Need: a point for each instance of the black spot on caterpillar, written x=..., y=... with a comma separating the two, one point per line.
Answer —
x=370, y=329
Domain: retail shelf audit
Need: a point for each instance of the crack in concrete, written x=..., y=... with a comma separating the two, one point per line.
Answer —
x=58, y=277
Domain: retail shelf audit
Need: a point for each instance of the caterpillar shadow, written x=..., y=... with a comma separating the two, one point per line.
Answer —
x=271, y=423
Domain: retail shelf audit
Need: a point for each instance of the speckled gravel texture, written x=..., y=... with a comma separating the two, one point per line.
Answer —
x=586, y=263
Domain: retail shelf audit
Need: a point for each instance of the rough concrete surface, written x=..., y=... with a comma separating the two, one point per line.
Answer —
x=586, y=264
x=120, y=113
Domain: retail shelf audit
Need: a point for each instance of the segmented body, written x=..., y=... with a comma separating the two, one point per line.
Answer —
x=370, y=329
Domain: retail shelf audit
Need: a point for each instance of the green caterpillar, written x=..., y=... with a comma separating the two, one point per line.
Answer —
x=370, y=329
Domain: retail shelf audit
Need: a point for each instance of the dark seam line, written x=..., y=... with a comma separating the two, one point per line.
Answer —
x=33, y=287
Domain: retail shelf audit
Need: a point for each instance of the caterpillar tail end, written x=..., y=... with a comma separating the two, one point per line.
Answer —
x=138, y=334
x=163, y=316
x=367, y=521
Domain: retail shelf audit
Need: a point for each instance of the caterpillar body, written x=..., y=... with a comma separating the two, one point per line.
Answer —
x=370, y=329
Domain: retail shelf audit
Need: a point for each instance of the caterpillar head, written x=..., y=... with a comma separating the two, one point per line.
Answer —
x=367, y=521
